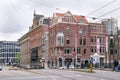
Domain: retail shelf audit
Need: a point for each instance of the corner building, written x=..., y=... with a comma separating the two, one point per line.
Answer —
x=68, y=35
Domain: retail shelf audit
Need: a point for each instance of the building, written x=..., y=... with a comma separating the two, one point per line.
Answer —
x=25, y=52
x=68, y=39
x=63, y=39
x=32, y=42
x=9, y=51
x=44, y=49
x=111, y=25
x=112, y=31
x=97, y=34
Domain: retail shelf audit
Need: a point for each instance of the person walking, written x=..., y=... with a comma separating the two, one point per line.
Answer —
x=115, y=65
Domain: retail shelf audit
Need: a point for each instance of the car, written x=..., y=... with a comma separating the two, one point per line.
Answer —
x=27, y=67
x=63, y=67
x=71, y=66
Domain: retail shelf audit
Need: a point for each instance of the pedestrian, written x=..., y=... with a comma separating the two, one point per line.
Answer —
x=67, y=64
x=115, y=64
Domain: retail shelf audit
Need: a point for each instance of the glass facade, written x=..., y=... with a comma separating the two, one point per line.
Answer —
x=8, y=51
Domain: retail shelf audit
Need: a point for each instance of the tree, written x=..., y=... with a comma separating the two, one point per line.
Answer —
x=18, y=58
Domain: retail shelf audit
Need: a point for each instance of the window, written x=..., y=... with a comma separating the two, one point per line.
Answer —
x=78, y=50
x=67, y=51
x=100, y=40
x=84, y=41
x=43, y=40
x=84, y=51
x=115, y=51
x=68, y=31
x=103, y=50
x=99, y=29
x=92, y=28
x=80, y=41
x=80, y=32
x=60, y=39
x=92, y=49
x=67, y=19
x=81, y=20
x=100, y=49
x=92, y=39
x=84, y=32
x=103, y=39
x=67, y=41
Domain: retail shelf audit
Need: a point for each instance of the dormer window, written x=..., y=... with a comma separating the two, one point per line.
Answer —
x=67, y=19
x=81, y=20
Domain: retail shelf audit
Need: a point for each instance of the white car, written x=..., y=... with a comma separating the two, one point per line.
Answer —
x=71, y=66
x=63, y=67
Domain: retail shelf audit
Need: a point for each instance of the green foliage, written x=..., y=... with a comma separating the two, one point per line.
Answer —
x=18, y=57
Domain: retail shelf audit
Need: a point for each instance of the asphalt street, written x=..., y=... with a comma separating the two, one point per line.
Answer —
x=56, y=74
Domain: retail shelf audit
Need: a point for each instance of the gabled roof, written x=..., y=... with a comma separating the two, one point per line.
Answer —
x=76, y=17
x=59, y=14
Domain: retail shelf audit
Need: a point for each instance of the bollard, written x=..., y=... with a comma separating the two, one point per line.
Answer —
x=91, y=67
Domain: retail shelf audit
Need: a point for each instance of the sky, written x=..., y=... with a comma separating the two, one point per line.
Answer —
x=16, y=15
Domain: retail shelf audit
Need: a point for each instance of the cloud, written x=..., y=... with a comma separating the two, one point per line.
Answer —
x=16, y=15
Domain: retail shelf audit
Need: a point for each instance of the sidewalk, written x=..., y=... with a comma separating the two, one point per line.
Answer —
x=105, y=69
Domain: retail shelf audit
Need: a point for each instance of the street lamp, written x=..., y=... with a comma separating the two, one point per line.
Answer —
x=76, y=48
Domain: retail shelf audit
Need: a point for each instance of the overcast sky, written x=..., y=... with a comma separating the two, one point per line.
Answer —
x=16, y=15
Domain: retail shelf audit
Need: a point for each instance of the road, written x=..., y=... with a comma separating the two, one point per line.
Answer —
x=56, y=74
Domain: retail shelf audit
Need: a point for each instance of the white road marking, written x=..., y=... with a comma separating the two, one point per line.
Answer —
x=41, y=77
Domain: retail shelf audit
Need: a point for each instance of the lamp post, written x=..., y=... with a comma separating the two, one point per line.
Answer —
x=76, y=56
x=76, y=48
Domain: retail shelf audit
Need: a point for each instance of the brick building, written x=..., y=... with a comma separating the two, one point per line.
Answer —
x=68, y=34
x=66, y=38
x=98, y=33
x=25, y=52
x=31, y=42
